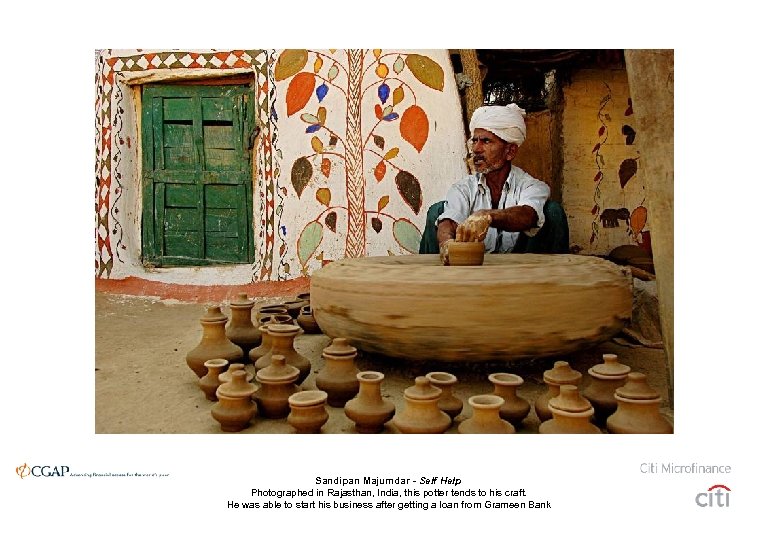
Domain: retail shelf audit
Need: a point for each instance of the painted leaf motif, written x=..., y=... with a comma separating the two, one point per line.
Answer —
x=627, y=171
x=378, y=111
x=383, y=201
x=398, y=65
x=629, y=133
x=313, y=129
x=333, y=72
x=595, y=209
x=333, y=140
x=322, y=91
x=290, y=62
x=379, y=141
x=322, y=115
x=596, y=148
x=376, y=224
x=391, y=153
x=638, y=219
x=377, y=53
x=309, y=241
x=409, y=188
x=398, y=95
x=602, y=129
x=382, y=70
x=310, y=118
x=330, y=221
x=379, y=171
x=387, y=110
x=630, y=108
x=317, y=64
x=599, y=176
x=299, y=92
x=325, y=167
x=426, y=70
x=301, y=174
x=414, y=127
x=323, y=196
x=390, y=117
x=384, y=92
x=316, y=144
x=407, y=235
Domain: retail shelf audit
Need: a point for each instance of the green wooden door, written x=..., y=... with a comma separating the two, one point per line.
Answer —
x=197, y=189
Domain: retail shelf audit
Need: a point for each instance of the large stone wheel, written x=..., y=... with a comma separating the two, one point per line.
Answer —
x=512, y=307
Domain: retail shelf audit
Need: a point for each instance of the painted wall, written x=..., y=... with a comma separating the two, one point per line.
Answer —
x=604, y=190
x=353, y=147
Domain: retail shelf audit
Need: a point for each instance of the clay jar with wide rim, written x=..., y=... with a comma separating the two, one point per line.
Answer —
x=277, y=384
x=448, y=402
x=307, y=321
x=214, y=343
x=515, y=409
x=466, y=253
x=210, y=381
x=270, y=309
x=240, y=329
x=638, y=408
x=338, y=376
x=307, y=411
x=571, y=413
x=265, y=340
x=486, y=418
x=560, y=374
x=282, y=342
x=604, y=380
x=369, y=410
x=421, y=414
x=234, y=409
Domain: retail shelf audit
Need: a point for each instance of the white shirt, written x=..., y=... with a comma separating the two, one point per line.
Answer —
x=472, y=194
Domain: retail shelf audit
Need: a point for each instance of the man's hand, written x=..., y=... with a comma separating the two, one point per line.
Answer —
x=475, y=228
x=444, y=253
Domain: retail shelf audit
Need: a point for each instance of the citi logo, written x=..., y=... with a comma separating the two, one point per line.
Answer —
x=25, y=470
x=714, y=496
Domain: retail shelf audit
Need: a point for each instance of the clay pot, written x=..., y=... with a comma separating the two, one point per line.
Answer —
x=304, y=297
x=307, y=411
x=214, y=343
x=638, y=408
x=486, y=417
x=421, y=414
x=338, y=377
x=210, y=381
x=240, y=330
x=227, y=375
x=282, y=338
x=571, y=413
x=307, y=321
x=235, y=409
x=369, y=410
x=277, y=383
x=265, y=340
x=294, y=307
x=604, y=380
x=515, y=409
x=466, y=253
x=561, y=373
x=447, y=402
x=265, y=311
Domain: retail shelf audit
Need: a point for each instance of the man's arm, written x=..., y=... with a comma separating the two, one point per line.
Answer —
x=445, y=230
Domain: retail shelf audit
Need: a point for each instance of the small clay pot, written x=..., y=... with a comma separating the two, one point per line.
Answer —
x=265, y=340
x=338, y=377
x=282, y=343
x=604, y=380
x=571, y=413
x=294, y=307
x=214, y=343
x=515, y=409
x=235, y=409
x=273, y=309
x=447, y=402
x=421, y=414
x=486, y=418
x=466, y=253
x=227, y=375
x=638, y=408
x=210, y=381
x=240, y=330
x=307, y=411
x=277, y=384
x=304, y=297
x=307, y=321
x=560, y=374
x=369, y=410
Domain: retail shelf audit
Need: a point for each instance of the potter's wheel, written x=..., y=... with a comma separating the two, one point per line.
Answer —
x=515, y=306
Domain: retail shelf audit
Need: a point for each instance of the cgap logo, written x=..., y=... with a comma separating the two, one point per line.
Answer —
x=714, y=497
x=25, y=470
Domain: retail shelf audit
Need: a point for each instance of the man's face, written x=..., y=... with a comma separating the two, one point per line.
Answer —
x=490, y=152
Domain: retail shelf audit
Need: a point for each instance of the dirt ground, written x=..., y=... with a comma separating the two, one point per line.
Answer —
x=143, y=384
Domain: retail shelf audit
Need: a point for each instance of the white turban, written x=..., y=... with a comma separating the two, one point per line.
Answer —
x=506, y=122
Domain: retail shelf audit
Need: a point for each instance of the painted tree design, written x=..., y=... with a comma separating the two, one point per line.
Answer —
x=374, y=75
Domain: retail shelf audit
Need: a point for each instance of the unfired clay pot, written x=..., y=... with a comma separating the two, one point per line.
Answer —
x=571, y=413
x=304, y=297
x=338, y=377
x=421, y=414
x=265, y=340
x=214, y=343
x=466, y=253
x=235, y=409
x=604, y=380
x=282, y=340
x=294, y=307
x=210, y=381
x=369, y=410
x=638, y=408
x=240, y=330
x=307, y=411
x=561, y=373
x=447, y=402
x=272, y=309
x=307, y=321
x=515, y=409
x=277, y=383
x=227, y=375
x=486, y=417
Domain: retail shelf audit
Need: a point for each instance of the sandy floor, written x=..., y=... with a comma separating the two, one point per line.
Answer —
x=143, y=384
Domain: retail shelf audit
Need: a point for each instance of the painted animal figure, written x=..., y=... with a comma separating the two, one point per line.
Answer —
x=611, y=216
